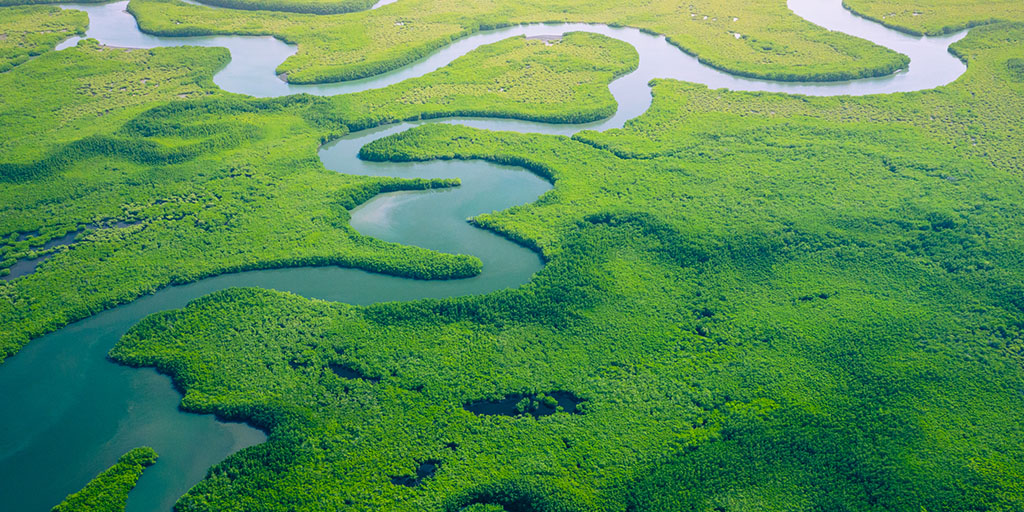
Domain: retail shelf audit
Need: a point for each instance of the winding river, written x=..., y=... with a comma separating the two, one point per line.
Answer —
x=68, y=413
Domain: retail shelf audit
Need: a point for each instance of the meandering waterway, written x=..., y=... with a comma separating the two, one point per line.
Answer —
x=68, y=413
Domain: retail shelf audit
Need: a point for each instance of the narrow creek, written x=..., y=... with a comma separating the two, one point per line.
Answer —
x=68, y=413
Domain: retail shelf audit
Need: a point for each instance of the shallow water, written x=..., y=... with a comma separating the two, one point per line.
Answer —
x=68, y=413
x=27, y=266
x=510, y=405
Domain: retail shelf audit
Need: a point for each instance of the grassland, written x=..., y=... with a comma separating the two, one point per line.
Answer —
x=775, y=43
x=108, y=492
x=26, y=32
x=201, y=173
x=935, y=17
x=765, y=302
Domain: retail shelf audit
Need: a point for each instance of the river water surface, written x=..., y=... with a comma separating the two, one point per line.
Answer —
x=68, y=413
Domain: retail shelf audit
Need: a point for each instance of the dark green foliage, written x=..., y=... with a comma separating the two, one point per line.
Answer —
x=936, y=17
x=1016, y=69
x=108, y=492
x=774, y=460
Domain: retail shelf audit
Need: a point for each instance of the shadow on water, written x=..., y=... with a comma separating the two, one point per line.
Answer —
x=521, y=404
x=424, y=470
x=346, y=372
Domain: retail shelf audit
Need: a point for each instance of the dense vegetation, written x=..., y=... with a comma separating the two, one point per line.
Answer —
x=108, y=492
x=774, y=42
x=203, y=175
x=936, y=17
x=764, y=301
x=29, y=31
x=759, y=301
x=304, y=6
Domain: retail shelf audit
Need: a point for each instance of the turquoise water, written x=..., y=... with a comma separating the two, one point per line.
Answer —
x=68, y=413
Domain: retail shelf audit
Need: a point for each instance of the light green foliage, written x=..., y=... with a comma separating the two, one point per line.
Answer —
x=936, y=17
x=208, y=174
x=29, y=31
x=94, y=89
x=503, y=80
x=108, y=492
x=775, y=44
x=766, y=301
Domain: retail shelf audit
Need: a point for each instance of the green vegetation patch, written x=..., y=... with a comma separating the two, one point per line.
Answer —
x=1016, y=69
x=26, y=32
x=108, y=492
x=936, y=17
x=565, y=81
x=774, y=42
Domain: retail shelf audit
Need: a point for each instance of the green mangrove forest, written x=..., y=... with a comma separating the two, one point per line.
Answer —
x=747, y=300
x=108, y=492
